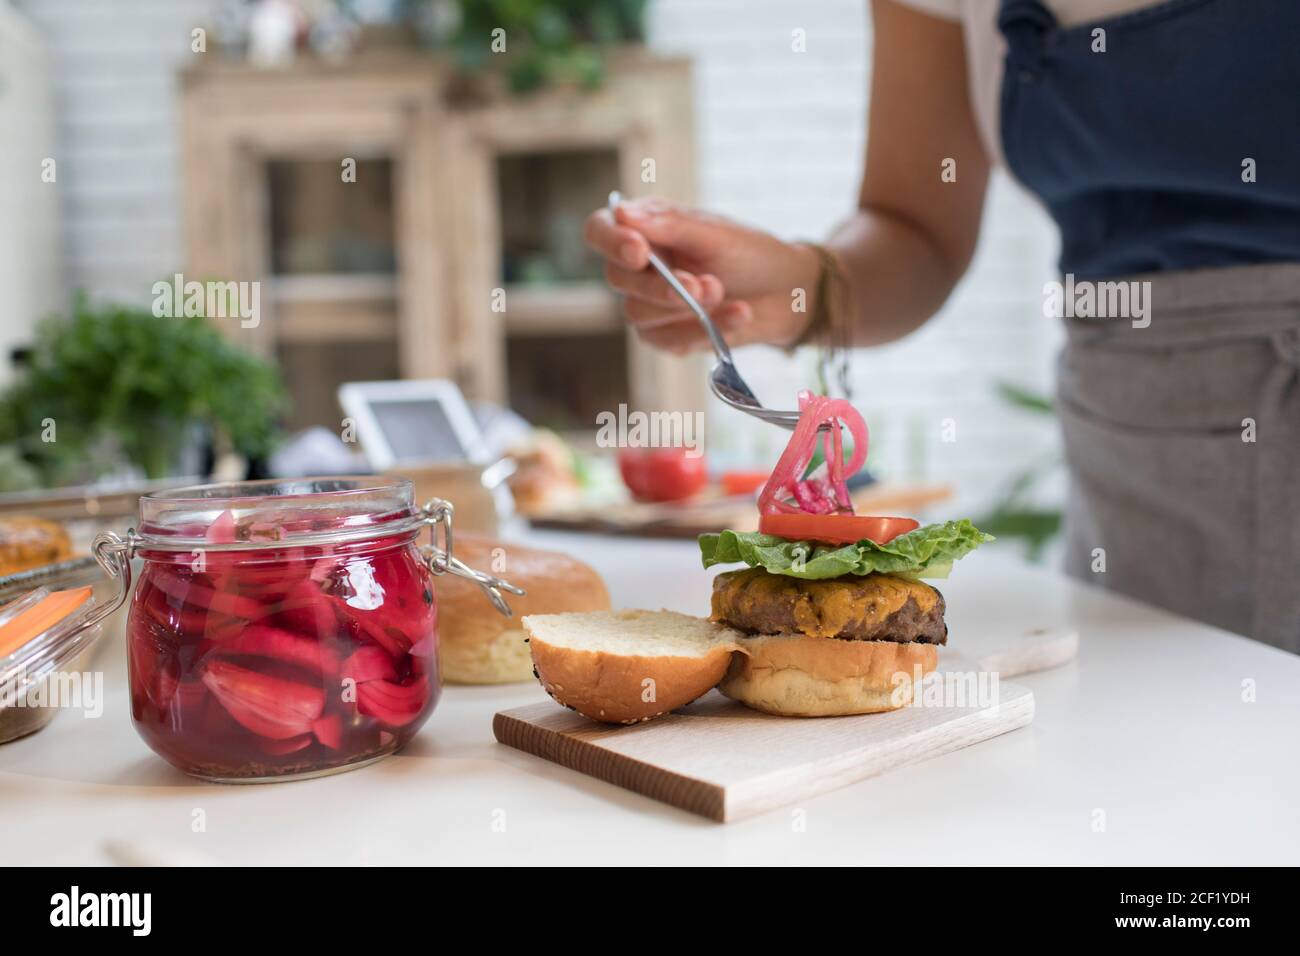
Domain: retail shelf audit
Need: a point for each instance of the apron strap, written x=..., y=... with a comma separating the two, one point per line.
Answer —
x=1025, y=23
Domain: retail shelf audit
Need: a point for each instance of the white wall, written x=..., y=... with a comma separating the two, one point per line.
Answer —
x=781, y=139
x=31, y=284
x=115, y=64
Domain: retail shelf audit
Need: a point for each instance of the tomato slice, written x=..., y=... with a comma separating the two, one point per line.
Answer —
x=835, y=529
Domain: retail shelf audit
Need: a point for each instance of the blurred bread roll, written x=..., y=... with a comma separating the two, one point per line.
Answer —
x=27, y=543
x=478, y=644
x=544, y=479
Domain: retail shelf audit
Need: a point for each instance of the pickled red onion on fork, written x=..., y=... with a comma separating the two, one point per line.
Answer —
x=826, y=490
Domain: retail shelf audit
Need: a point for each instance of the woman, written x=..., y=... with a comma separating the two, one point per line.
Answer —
x=1164, y=138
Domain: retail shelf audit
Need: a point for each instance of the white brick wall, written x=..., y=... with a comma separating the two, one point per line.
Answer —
x=115, y=65
x=30, y=265
x=780, y=139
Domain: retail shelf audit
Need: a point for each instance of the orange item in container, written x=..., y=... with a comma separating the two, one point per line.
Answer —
x=40, y=633
x=39, y=618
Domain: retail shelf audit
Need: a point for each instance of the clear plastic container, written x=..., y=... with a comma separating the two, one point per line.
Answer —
x=26, y=702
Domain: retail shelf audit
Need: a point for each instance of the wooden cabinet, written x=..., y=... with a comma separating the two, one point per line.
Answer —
x=455, y=248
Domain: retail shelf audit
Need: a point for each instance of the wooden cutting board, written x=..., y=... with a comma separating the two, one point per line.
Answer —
x=724, y=761
x=712, y=511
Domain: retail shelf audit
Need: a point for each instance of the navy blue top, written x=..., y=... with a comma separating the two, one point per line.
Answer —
x=1138, y=152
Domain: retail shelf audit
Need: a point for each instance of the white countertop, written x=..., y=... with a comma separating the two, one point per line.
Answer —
x=1147, y=727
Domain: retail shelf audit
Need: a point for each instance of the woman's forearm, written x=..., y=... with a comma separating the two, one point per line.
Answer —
x=923, y=186
x=896, y=275
x=901, y=254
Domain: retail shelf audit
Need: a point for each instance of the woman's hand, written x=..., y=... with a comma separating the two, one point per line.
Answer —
x=900, y=253
x=747, y=280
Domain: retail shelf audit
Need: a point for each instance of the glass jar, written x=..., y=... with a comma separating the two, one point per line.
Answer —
x=284, y=629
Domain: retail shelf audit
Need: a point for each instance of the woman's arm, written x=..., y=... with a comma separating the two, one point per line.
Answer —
x=914, y=234
x=902, y=251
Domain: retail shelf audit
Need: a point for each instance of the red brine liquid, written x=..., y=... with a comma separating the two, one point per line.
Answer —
x=282, y=660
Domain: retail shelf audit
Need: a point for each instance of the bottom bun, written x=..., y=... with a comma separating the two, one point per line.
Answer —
x=792, y=675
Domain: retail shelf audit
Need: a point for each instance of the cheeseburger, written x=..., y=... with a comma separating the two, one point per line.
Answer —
x=830, y=616
x=834, y=615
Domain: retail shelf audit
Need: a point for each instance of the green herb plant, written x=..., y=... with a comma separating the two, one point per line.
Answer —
x=114, y=386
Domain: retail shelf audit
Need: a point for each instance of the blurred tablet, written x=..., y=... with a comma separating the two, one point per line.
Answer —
x=413, y=422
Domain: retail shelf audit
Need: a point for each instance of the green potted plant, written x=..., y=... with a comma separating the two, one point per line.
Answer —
x=534, y=43
x=115, y=389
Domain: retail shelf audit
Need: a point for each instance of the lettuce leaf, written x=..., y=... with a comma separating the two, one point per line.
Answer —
x=927, y=552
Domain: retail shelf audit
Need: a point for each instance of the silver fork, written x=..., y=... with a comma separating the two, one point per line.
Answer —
x=725, y=380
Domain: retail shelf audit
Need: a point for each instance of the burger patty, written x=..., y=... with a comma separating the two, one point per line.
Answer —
x=875, y=607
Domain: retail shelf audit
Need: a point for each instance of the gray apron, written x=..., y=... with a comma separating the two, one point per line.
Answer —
x=1183, y=440
x=1183, y=437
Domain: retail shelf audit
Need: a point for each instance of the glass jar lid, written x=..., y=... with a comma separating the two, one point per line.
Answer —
x=290, y=513
x=277, y=512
